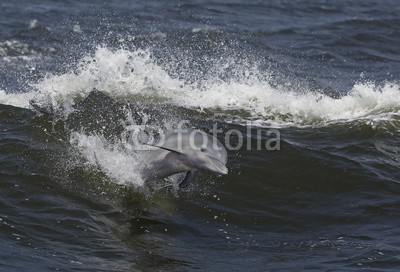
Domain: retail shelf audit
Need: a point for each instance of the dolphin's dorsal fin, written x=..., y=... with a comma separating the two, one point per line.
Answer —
x=188, y=178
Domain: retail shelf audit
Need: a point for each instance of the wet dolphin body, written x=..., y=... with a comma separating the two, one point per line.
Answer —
x=184, y=150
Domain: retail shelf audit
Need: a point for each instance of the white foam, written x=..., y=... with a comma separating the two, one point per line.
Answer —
x=118, y=73
x=20, y=100
x=206, y=29
x=77, y=29
x=33, y=24
x=114, y=160
x=278, y=107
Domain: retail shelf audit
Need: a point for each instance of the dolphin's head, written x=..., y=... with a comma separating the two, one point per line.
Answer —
x=199, y=150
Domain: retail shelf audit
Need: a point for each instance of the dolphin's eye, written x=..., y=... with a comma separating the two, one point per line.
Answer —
x=202, y=149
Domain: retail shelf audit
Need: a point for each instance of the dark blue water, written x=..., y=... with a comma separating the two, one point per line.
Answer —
x=324, y=74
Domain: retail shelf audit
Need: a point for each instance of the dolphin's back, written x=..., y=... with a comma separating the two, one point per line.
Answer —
x=190, y=139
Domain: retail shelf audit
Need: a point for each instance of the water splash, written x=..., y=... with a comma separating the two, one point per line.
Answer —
x=114, y=160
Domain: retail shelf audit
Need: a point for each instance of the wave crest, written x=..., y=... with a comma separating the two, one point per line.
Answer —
x=248, y=97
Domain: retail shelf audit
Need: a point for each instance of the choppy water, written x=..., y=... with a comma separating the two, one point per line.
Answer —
x=325, y=74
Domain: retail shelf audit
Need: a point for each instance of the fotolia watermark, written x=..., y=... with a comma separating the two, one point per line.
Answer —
x=264, y=139
x=184, y=138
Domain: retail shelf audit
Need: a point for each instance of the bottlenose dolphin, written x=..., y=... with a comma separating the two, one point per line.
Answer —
x=184, y=150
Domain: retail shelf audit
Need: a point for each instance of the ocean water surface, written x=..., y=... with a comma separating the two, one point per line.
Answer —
x=323, y=74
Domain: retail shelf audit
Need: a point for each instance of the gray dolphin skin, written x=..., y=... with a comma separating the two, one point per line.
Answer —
x=184, y=150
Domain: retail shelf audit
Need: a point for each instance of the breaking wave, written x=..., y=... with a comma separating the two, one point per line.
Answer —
x=249, y=97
